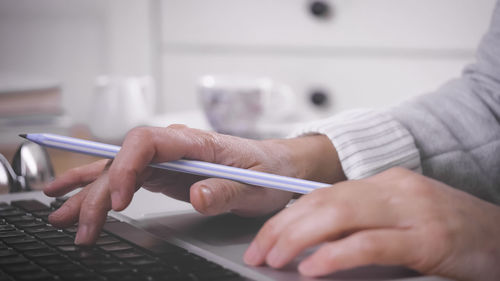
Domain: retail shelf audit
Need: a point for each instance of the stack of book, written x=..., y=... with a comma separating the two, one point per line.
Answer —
x=28, y=105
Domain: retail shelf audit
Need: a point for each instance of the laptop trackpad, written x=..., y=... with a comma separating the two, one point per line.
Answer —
x=228, y=236
x=227, y=229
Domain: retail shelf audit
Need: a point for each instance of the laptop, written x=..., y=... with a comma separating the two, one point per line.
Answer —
x=155, y=238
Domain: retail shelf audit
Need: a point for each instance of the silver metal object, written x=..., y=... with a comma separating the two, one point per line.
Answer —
x=32, y=165
x=8, y=178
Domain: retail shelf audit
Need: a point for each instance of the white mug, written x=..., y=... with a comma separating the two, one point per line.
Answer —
x=119, y=104
x=243, y=105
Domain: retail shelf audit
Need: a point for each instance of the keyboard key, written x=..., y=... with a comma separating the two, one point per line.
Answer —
x=130, y=253
x=20, y=219
x=106, y=240
x=4, y=207
x=30, y=205
x=37, y=275
x=79, y=275
x=36, y=245
x=58, y=202
x=63, y=267
x=174, y=277
x=44, y=215
x=50, y=234
x=15, y=233
x=116, y=247
x=19, y=240
x=114, y=270
x=62, y=241
x=6, y=228
x=38, y=229
x=71, y=229
x=141, y=261
x=217, y=275
x=78, y=252
x=11, y=212
x=23, y=267
x=51, y=260
x=32, y=223
x=7, y=253
x=142, y=238
x=127, y=276
x=12, y=260
x=68, y=248
x=100, y=262
x=158, y=270
x=45, y=252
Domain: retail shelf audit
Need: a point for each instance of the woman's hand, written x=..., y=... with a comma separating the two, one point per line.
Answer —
x=394, y=218
x=111, y=185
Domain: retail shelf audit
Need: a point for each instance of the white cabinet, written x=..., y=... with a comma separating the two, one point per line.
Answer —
x=365, y=53
x=429, y=24
x=349, y=82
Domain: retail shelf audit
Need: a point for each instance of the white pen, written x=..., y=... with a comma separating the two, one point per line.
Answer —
x=185, y=166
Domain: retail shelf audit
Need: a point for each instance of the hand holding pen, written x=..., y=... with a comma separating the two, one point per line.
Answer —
x=111, y=184
x=384, y=219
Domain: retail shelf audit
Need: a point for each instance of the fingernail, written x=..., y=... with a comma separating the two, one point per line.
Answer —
x=252, y=256
x=274, y=258
x=207, y=196
x=115, y=199
x=81, y=234
x=59, y=212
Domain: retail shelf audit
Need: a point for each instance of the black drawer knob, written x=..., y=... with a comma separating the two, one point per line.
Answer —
x=320, y=9
x=319, y=98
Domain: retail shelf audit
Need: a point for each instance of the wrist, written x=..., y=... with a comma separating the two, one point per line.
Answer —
x=313, y=157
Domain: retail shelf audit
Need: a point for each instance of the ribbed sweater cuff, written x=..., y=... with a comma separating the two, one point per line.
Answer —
x=367, y=142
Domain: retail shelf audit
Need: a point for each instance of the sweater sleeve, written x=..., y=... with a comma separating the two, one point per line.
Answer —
x=367, y=142
x=457, y=128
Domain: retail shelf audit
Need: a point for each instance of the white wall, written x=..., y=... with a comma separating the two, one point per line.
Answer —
x=56, y=40
x=73, y=41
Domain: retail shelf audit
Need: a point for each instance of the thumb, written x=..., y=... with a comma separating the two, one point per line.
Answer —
x=216, y=196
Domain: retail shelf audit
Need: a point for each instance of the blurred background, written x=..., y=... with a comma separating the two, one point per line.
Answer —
x=97, y=68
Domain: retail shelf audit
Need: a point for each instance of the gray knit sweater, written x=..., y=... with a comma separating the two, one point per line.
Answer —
x=457, y=128
x=452, y=134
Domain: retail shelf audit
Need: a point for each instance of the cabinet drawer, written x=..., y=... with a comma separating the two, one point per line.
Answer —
x=427, y=24
x=348, y=82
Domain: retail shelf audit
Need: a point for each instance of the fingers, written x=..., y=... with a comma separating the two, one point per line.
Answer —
x=68, y=213
x=89, y=208
x=145, y=145
x=94, y=209
x=381, y=247
x=270, y=233
x=320, y=216
x=215, y=196
x=75, y=178
x=137, y=151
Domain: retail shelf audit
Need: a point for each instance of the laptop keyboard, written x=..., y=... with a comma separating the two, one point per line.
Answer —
x=32, y=249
